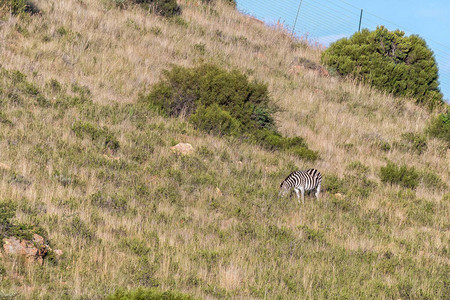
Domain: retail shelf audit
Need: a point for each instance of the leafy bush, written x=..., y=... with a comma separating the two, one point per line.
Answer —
x=439, y=127
x=432, y=181
x=404, y=176
x=231, y=2
x=390, y=62
x=115, y=203
x=333, y=184
x=358, y=167
x=9, y=228
x=135, y=245
x=77, y=227
x=215, y=120
x=7, y=212
x=223, y=103
x=2, y=270
x=165, y=8
x=353, y=185
x=312, y=234
x=148, y=294
x=413, y=142
x=20, y=6
x=4, y=119
x=102, y=136
x=272, y=140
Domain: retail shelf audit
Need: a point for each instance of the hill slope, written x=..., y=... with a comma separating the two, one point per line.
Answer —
x=82, y=160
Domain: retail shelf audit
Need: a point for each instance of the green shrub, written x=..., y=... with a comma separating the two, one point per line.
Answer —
x=312, y=234
x=181, y=90
x=102, y=136
x=439, y=127
x=353, y=185
x=358, y=167
x=308, y=64
x=333, y=184
x=432, y=180
x=79, y=228
x=304, y=153
x=200, y=48
x=148, y=294
x=135, y=245
x=115, y=203
x=54, y=86
x=389, y=61
x=272, y=140
x=20, y=6
x=230, y=2
x=9, y=228
x=215, y=120
x=223, y=103
x=81, y=90
x=2, y=271
x=165, y=8
x=7, y=212
x=413, y=142
x=344, y=204
x=4, y=119
x=404, y=176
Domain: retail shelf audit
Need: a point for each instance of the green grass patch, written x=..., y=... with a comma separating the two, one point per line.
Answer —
x=148, y=294
x=101, y=136
x=9, y=228
x=439, y=127
x=401, y=175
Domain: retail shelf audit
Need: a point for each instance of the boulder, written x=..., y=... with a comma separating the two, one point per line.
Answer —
x=339, y=195
x=32, y=251
x=38, y=240
x=182, y=148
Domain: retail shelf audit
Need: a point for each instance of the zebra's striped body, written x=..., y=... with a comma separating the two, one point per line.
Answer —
x=302, y=181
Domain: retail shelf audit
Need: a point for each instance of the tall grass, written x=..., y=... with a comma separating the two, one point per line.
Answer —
x=83, y=161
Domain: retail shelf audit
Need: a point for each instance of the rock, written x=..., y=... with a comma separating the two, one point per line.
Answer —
x=32, y=251
x=182, y=148
x=260, y=56
x=13, y=246
x=58, y=252
x=5, y=167
x=37, y=239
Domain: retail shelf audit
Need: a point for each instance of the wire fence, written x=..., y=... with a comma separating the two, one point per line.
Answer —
x=322, y=22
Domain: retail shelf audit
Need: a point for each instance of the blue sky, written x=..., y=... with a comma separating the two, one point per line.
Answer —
x=324, y=21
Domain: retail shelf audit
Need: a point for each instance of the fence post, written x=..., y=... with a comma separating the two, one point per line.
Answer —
x=296, y=17
x=360, y=19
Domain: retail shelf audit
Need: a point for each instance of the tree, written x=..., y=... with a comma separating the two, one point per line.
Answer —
x=389, y=61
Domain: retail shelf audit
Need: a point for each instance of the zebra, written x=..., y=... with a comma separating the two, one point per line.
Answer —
x=302, y=181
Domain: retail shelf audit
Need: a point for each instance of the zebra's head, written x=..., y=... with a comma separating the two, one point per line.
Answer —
x=284, y=189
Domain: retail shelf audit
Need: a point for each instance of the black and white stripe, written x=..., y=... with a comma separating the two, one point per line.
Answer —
x=302, y=181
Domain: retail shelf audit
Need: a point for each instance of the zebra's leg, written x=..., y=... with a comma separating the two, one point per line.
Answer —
x=302, y=189
x=298, y=195
x=318, y=191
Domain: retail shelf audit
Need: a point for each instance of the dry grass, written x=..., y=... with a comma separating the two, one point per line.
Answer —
x=160, y=220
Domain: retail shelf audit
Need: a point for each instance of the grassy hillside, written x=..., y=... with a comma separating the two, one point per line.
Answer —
x=84, y=161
